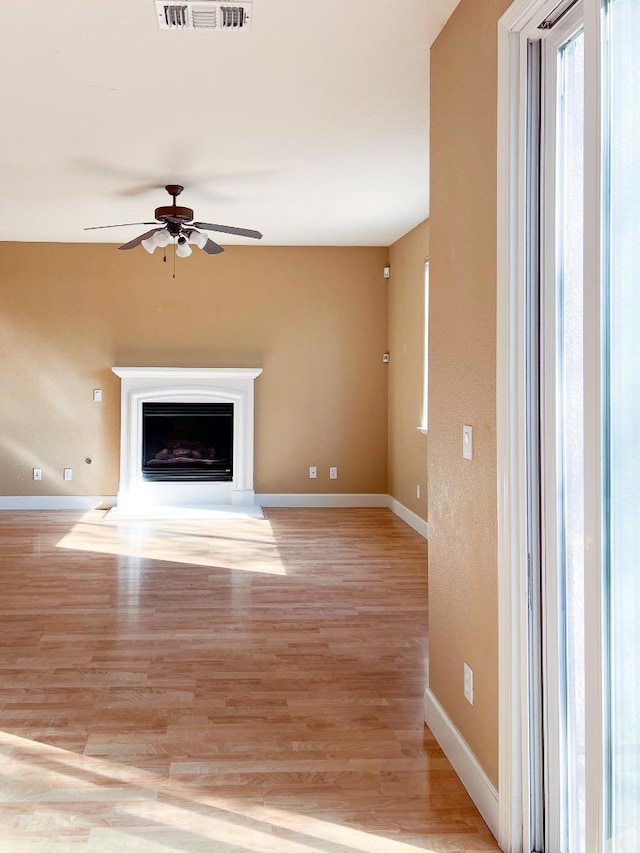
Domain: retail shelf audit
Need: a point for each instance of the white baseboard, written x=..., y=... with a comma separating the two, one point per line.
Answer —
x=87, y=502
x=475, y=780
x=312, y=500
x=79, y=502
x=413, y=520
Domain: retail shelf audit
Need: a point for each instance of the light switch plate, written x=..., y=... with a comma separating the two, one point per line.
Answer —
x=467, y=442
x=468, y=683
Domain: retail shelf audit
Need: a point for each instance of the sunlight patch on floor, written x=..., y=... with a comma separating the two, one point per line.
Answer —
x=142, y=804
x=247, y=544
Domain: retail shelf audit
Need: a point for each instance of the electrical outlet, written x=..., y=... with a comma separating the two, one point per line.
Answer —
x=418, y=491
x=37, y=473
x=468, y=683
x=68, y=474
x=313, y=472
x=333, y=473
x=97, y=395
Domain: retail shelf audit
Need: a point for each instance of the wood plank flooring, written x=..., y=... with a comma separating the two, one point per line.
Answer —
x=242, y=685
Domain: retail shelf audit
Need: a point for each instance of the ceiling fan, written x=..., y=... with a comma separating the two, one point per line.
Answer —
x=176, y=223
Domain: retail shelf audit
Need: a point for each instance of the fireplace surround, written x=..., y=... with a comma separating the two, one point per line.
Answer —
x=143, y=388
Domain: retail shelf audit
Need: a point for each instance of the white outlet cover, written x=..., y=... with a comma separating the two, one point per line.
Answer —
x=467, y=442
x=333, y=473
x=313, y=472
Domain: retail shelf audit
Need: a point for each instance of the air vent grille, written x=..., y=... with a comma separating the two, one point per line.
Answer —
x=204, y=18
x=175, y=16
x=204, y=15
x=232, y=16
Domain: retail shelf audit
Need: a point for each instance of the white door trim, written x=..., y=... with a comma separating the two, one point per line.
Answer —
x=513, y=817
x=516, y=27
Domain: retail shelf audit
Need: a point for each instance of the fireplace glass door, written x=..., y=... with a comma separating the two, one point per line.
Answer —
x=187, y=442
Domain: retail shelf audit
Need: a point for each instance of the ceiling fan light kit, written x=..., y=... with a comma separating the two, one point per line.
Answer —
x=197, y=238
x=175, y=223
x=158, y=240
x=183, y=249
x=149, y=245
x=162, y=238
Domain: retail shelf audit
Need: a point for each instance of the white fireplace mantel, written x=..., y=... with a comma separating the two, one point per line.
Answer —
x=185, y=385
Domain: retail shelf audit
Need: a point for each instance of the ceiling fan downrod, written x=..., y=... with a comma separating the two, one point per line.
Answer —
x=174, y=191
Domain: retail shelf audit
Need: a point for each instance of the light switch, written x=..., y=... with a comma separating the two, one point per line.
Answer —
x=467, y=442
x=468, y=683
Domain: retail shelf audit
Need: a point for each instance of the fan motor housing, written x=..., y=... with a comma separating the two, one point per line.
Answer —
x=174, y=213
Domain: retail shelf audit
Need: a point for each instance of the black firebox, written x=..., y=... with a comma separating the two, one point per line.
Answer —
x=187, y=441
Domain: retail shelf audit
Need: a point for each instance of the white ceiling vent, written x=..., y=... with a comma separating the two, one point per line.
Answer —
x=204, y=15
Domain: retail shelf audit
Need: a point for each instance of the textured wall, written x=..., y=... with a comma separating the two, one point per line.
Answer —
x=462, y=359
x=407, y=446
x=315, y=319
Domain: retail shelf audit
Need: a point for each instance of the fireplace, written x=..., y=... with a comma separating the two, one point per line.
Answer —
x=186, y=442
x=186, y=437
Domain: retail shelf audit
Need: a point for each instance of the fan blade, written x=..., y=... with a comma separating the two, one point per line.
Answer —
x=212, y=248
x=121, y=225
x=133, y=243
x=140, y=189
x=229, y=229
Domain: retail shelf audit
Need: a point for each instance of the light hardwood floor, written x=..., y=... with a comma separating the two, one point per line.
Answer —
x=244, y=685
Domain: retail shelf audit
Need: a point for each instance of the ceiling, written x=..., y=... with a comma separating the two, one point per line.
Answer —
x=312, y=127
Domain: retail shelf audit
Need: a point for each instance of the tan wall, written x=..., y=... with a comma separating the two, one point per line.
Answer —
x=462, y=360
x=407, y=446
x=314, y=318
